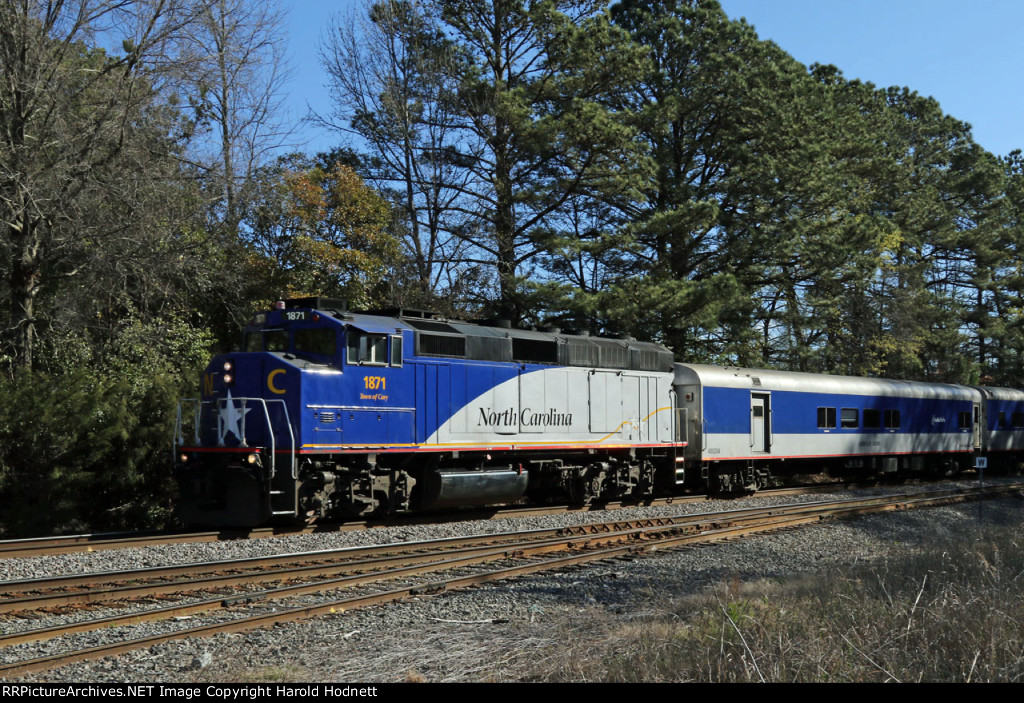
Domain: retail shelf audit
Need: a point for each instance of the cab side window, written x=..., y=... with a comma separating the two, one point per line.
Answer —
x=267, y=340
x=396, y=350
x=365, y=348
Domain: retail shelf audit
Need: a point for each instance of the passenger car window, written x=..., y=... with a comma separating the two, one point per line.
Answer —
x=826, y=418
x=872, y=419
x=850, y=417
x=892, y=419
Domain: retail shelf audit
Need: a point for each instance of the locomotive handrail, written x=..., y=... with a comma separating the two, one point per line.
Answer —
x=179, y=440
x=270, y=430
x=220, y=403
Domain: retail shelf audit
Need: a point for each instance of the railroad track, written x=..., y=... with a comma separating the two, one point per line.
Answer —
x=70, y=544
x=351, y=578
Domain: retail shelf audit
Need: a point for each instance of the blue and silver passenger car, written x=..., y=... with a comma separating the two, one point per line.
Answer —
x=743, y=422
x=1003, y=425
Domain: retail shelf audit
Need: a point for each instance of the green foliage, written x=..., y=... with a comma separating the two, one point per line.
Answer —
x=82, y=451
x=716, y=112
x=90, y=158
x=84, y=446
x=491, y=117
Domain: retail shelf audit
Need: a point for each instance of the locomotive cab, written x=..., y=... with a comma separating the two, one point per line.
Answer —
x=236, y=448
x=259, y=442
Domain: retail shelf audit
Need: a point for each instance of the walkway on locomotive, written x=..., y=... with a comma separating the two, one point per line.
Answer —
x=352, y=382
x=750, y=414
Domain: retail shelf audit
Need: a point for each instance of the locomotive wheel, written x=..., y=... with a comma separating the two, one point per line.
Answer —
x=578, y=491
x=579, y=488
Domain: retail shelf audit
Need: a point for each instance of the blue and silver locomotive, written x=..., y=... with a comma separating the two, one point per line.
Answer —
x=329, y=413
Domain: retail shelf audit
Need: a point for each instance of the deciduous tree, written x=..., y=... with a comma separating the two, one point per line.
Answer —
x=323, y=231
x=232, y=72
x=80, y=128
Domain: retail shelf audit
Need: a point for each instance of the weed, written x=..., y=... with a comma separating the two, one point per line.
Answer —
x=950, y=612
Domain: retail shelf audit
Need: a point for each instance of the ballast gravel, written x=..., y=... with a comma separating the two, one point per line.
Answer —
x=492, y=632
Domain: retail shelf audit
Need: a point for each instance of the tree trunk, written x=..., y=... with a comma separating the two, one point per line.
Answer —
x=24, y=285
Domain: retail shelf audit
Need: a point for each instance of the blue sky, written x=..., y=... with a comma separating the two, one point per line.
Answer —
x=967, y=55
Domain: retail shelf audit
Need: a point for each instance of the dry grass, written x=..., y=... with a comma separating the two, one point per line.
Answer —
x=948, y=613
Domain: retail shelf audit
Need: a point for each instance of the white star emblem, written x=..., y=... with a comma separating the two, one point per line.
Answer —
x=231, y=419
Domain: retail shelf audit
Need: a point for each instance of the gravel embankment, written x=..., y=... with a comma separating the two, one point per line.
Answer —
x=493, y=632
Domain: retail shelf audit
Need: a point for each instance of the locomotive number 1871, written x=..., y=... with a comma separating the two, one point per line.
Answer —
x=375, y=383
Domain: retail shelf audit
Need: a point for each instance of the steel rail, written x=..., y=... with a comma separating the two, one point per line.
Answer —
x=37, y=602
x=651, y=538
x=357, y=557
x=647, y=542
x=260, y=562
x=69, y=544
x=195, y=569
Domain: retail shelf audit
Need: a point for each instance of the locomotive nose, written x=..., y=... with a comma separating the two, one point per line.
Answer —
x=231, y=391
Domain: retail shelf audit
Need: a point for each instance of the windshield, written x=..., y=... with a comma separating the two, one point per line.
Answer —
x=320, y=341
x=312, y=343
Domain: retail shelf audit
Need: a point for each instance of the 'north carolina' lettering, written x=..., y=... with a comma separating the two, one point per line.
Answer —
x=508, y=416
